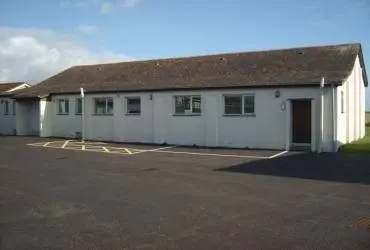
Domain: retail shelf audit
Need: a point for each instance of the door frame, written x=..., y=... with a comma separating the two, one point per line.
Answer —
x=289, y=127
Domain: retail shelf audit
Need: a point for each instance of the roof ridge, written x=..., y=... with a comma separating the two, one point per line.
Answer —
x=217, y=54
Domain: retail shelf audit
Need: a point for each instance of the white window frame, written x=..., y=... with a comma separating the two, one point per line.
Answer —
x=64, y=99
x=342, y=109
x=127, y=104
x=6, y=107
x=105, y=113
x=242, y=96
x=14, y=108
x=76, y=106
x=188, y=112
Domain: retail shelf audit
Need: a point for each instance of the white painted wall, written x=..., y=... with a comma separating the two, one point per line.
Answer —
x=46, y=118
x=269, y=128
x=351, y=122
x=7, y=122
x=64, y=125
x=28, y=117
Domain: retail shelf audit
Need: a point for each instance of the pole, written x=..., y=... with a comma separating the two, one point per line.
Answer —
x=322, y=110
x=83, y=114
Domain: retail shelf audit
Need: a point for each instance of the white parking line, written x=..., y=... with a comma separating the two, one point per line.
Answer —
x=158, y=149
x=278, y=154
x=128, y=151
x=65, y=144
x=209, y=154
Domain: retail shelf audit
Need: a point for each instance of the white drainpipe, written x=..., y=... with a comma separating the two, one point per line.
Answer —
x=334, y=117
x=321, y=130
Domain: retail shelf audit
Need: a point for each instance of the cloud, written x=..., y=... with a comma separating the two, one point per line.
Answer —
x=106, y=7
x=35, y=54
x=87, y=29
x=80, y=3
x=129, y=3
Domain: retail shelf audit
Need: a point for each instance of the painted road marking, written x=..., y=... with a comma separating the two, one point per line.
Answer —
x=95, y=147
x=127, y=151
x=65, y=144
x=156, y=149
x=210, y=154
x=278, y=154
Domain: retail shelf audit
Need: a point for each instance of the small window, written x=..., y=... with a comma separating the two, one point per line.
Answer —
x=188, y=105
x=6, y=107
x=14, y=108
x=233, y=105
x=78, y=106
x=248, y=104
x=63, y=106
x=342, y=102
x=239, y=105
x=103, y=106
x=133, y=105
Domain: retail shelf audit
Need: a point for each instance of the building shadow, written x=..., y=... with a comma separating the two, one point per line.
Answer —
x=327, y=167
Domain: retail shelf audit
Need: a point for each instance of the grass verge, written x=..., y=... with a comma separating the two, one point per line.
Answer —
x=359, y=147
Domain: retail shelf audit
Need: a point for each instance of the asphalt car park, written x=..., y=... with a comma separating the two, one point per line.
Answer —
x=70, y=198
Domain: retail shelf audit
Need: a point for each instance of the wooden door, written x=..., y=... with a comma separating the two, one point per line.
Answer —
x=301, y=121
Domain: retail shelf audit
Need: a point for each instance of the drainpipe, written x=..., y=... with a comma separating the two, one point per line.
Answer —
x=334, y=118
x=321, y=140
x=82, y=114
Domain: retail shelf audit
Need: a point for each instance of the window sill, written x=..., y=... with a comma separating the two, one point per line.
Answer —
x=137, y=114
x=102, y=114
x=242, y=115
x=63, y=114
x=186, y=114
x=78, y=114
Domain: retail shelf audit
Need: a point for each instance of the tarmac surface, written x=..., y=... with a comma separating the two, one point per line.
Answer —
x=61, y=198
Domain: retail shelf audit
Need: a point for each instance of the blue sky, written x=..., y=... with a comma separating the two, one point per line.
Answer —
x=116, y=30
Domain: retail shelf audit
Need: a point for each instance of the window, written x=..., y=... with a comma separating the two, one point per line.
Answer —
x=6, y=107
x=63, y=106
x=188, y=105
x=133, y=105
x=14, y=108
x=78, y=106
x=239, y=105
x=103, y=106
x=342, y=102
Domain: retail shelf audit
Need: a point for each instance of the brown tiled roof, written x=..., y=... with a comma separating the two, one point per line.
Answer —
x=8, y=86
x=286, y=67
x=4, y=87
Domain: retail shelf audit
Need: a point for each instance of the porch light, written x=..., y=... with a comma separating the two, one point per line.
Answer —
x=277, y=93
x=283, y=106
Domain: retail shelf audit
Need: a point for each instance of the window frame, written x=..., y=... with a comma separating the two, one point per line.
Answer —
x=6, y=107
x=105, y=113
x=242, y=108
x=127, y=105
x=78, y=99
x=190, y=112
x=342, y=102
x=58, y=103
x=14, y=108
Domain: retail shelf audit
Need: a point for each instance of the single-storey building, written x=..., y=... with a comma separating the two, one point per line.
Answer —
x=310, y=97
x=7, y=106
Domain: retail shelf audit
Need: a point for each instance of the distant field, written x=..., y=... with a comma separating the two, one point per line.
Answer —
x=368, y=118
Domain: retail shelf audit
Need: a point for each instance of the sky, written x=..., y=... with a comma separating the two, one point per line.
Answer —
x=39, y=38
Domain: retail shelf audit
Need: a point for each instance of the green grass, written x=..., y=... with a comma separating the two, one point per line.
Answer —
x=360, y=147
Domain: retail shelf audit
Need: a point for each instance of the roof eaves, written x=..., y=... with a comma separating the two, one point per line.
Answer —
x=362, y=63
